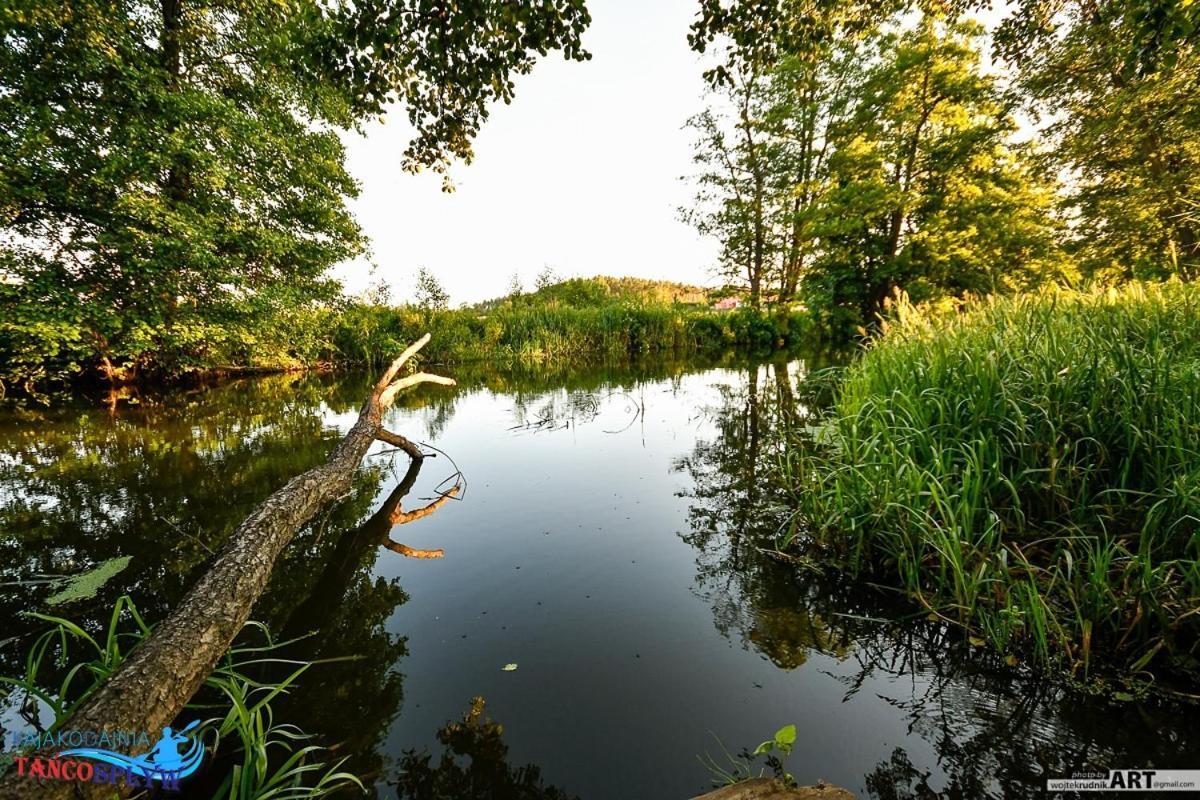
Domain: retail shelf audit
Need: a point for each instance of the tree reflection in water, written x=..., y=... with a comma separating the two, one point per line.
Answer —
x=737, y=514
x=344, y=612
x=166, y=481
x=165, y=477
x=997, y=730
x=473, y=766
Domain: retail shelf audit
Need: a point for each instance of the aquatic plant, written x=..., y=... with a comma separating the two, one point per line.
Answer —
x=85, y=585
x=742, y=766
x=270, y=761
x=1028, y=468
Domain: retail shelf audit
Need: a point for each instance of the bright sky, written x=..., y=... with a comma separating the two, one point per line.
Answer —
x=581, y=172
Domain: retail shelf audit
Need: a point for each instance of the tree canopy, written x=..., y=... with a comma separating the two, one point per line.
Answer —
x=172, y=177
x=851, y=150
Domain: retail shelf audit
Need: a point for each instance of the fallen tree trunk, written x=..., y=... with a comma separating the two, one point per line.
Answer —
x=152, y=686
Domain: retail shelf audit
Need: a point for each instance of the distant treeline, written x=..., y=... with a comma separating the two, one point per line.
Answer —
x=576, y=319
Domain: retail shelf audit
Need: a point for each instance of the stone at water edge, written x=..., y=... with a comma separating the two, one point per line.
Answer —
x=770, y=789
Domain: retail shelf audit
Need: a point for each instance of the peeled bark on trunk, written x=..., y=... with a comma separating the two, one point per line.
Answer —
x=152, y=686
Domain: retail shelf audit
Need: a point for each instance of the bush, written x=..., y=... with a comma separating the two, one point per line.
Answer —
x=1029, y=468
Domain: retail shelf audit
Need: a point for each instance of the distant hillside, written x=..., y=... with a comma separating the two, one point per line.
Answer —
x=603, y=290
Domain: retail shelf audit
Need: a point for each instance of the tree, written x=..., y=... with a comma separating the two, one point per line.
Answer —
x=926, y=192
x=810, y=96
x=735, y=157
x=546, y=278
x=377, y=293
x=515, y=289
x=1126, y=128
x=781, y=78
x=172, y=176
x=760, y=34
x=1140, y=36
x=429, y=292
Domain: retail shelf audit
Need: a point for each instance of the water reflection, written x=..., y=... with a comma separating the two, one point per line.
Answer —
x=342, y=608
x=736, y=516
x=996, y=730
x=164, y=481
x=474, y=765
x=564, y=558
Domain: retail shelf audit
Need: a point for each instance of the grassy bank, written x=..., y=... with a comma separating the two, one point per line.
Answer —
x=596, y=318
x=536, y=332
x=1029, y=469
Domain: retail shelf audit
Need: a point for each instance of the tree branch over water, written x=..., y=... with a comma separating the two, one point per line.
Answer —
x=152, y=686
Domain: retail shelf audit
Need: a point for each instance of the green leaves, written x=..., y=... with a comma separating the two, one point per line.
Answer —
x=852, y=168
x=782, y=742
x=445, y=63
x=86, y=584
x=173, y=182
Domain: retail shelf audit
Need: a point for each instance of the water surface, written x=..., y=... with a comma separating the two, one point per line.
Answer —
x=610, y=538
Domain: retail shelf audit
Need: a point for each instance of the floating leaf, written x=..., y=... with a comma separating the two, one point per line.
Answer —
x=509, y=667
x=86, y=584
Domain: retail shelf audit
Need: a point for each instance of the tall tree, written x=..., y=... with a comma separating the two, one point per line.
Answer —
x=735, y=155
x=780, y=74
x=1120, y=81
x=171, y=170
x=429, y=293
x=810, y=96
x=927, y=192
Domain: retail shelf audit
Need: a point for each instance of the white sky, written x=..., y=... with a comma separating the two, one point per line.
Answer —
x=581, y=172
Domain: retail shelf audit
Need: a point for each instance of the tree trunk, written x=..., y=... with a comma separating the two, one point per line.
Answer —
x=154, y=683
x=759, y=241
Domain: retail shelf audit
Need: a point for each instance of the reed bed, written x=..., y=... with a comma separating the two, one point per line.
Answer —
x=1028, y=467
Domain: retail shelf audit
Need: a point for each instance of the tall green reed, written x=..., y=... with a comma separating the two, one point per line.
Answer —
x=1028, y=467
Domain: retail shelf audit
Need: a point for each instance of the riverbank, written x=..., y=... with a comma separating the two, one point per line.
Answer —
x=1026, y=469
x=543, y=332
x=358, y=333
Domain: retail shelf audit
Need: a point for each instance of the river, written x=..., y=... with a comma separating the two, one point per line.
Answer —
x=610, y=539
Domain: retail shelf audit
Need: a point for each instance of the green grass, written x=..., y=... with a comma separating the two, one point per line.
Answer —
x=1029, y=469
x=269, y=760
x=578, y=319
x=531, y=332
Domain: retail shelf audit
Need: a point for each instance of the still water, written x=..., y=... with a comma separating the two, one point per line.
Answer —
x=610, y=538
